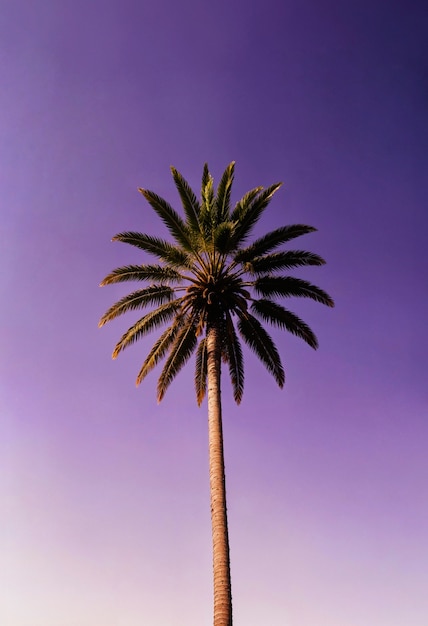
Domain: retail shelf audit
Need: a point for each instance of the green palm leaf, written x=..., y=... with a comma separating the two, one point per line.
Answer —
x=142, y=272
x=159, y=349
x=283, y=260
x=201, y=370
x=250, y=214
x=223, y=193
x=165, y=251
x=235, y=359
x=261, y=344
x=289, y=286
x=146, y=324
x=180, y=352
x=189, y=201
x=277, y=315
x=272, y=240
x=153, y=295
x=205, y=178
x=242, y=206
x=207, y=216
x=176, y=226
x=222, y=237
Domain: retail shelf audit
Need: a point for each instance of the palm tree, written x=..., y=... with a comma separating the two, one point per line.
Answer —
x=210, y=288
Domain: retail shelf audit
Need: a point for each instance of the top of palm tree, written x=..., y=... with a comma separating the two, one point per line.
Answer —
x=210, y=276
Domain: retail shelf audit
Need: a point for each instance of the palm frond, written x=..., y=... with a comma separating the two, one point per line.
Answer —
x=261, y=344
x=142, y=272
x=180, y=352
x=250, y=214
x=160, y=248
x=272, y=240
x=201, y=370
x=289, y=286
x=172, y=220
x=159, y=349
x=189, y=200
x=146, y=324
x=223, y=193
x=277, y=315
x=242, y=206
x=207, y=214
x=153, y=295
x=283, y=260
x=222, y=237
x=235, y=359
x=205, y=178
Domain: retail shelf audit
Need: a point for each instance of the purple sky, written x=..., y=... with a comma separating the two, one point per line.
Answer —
x=103, y=493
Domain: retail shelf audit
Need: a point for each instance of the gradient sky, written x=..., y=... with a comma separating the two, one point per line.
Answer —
x=104, y=494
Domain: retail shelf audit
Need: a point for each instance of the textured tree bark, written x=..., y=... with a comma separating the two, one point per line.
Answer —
x=221, y=558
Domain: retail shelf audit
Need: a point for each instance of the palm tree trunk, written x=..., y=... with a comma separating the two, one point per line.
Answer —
x=221, y=559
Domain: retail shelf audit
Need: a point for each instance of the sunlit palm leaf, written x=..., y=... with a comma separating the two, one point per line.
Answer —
x=272, y=240
x=146, y=324
x=180, y=352
x=153, y=295
x=207, y=214
x=159, y=349
x=223, y=193
x=244, y=203
x=172, y=220
x=142, y=272
x=173, y=255
x=189, y=201
x=251, y=214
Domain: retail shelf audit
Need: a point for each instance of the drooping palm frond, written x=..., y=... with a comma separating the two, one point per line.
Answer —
x=201, y=370
x=272, y=240
x=146, y=324
x=153, y=295
x=261, y=344
x=277, y=315
x=289, y=286
x=159, y=349
x=180, y=352
x=283, y=260
x=234, y=359
x=160, y=248
x=158, y=273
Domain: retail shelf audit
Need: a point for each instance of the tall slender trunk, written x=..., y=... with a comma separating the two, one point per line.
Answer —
x=221, y=558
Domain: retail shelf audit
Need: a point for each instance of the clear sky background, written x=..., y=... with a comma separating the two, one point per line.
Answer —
x=104, y=494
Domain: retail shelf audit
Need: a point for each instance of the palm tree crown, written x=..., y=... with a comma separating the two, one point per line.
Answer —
x=211, y=278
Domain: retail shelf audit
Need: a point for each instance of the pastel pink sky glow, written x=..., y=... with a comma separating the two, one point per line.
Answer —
x=104, y=503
